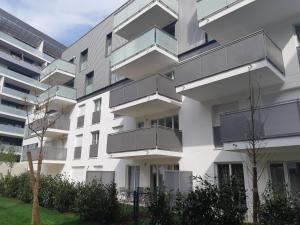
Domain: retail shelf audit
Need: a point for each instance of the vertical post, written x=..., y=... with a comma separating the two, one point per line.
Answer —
x=136, y=206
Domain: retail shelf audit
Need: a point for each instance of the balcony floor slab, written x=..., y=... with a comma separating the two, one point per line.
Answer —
x=147, y=154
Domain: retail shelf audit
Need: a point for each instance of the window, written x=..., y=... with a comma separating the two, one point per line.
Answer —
x=133, y=178
x=97, y=105
x=285, y=176
x=157, y=174
x=228, y=171
x=170, y=29
x=294, y=175
x=297, y=28
x=95, y=138
x=79, y=140
x=140, y=125
x=81, y=110
x=89, y=82
x=83, y=60
x=217, y=110
x=108, y=47
x=170, y=122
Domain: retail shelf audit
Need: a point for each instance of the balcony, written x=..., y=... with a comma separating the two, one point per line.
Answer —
x=59, y=128
x=153, y=94
x=13, y=112
x=140, y=15
x=136, y=58
x=22, y=79
x=155, y=142
x=18, y=95
x=275, y=126
x=227, y=20
x=11, y=131
x=58, y=72
x=16, y=149
x=13, y=42
x=51, y=155
x=58, y=96
x=224, y=71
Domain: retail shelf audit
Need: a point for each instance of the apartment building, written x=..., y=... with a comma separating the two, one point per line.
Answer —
x=162, y=93
x=24, y=52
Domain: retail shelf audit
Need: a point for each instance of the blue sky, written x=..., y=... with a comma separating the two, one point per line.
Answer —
x=64, y=20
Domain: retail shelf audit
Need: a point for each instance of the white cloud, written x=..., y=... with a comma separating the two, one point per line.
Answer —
x=57, y=17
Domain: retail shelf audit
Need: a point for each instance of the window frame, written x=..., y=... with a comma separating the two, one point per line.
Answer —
x=108, y=45
x=95, y=137
x=83, y=59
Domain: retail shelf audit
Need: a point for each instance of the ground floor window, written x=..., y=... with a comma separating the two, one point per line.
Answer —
x=133, y=178
x=226, y=171
x=285, y=176
x=157, y=173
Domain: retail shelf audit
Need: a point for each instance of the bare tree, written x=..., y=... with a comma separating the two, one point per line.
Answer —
x=40, y=118
x=256, y=157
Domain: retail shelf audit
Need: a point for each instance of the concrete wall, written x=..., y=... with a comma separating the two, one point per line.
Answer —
x=17, y=169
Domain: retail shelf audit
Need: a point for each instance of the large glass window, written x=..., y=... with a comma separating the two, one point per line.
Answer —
x=228, y=171
x=133, y=177
x=277, y=177
x=89, y=82
x=157, y=173
x=294, y=175
x=170, y=122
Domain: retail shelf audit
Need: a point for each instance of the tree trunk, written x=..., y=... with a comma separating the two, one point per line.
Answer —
x=36, y=219
x=255, y=196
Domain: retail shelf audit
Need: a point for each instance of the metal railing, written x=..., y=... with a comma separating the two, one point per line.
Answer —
x=22, y=78
x=25, y=47
x=143, y=88
x=281, y=120
x=19, y=94
x=249, y=49
x=58, y=64
x=58, y=90
x=153, y=37
x=12, y=110
x=134, y=7
x=60, y=123
x=49, y=153
x=162, y=138
x=207, y=8
x=11, y=129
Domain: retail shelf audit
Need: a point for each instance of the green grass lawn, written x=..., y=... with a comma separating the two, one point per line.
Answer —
x=13, y=212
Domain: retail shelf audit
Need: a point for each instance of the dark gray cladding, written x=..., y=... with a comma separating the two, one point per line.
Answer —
x=29, y=35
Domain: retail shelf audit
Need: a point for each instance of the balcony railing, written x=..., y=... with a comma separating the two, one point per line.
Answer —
x=58, y=64
x=49, y=153
x=153, y=37
x=11, y=129
x=282, y=120
x=136, y=6
x=25, y=47
x=160, y=138
x=22, y=78
x=206, y=8
x=12, y=110
x=59, y=91
x=143, y=88
x=250, y=49
x=19, y=94
x=60, y=123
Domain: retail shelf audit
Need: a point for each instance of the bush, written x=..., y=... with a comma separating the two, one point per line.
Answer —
x=210, y=205
x=159, y=207
x=24, y=192
x=47, y=192
x=97, y=202
x=279, y=209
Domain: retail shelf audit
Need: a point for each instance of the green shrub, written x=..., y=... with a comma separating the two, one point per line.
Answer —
x=10, y=186
x=47, y=192
x=211, y=205
x=65, y=194
x=97, y=202
x=160, y=208
x=24, y=191
x=279, y=209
